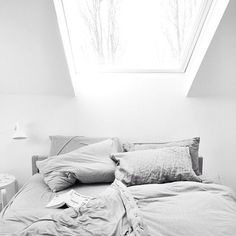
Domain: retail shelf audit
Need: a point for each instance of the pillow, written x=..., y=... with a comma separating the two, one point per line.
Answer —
x=193, y=145
x=89, y=164
x=154, y=166
x=64, y=144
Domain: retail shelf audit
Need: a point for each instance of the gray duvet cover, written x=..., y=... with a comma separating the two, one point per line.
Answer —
x=173, y=209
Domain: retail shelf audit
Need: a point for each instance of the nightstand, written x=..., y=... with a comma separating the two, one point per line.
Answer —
x=7, y=189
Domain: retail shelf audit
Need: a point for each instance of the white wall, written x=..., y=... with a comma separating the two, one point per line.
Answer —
x=217, y=76
x=130, y=108
x=143, y=112
x=31, y=58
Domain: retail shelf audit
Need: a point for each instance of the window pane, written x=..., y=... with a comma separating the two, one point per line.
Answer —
x=132, y=34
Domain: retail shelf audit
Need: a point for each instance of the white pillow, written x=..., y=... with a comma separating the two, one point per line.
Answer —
x=154, y=166
x=89, y=164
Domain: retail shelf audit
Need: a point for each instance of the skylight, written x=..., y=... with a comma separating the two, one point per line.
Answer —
x=136, y=38
x=133, y=35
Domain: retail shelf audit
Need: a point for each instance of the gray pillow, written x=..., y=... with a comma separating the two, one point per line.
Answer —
x=154, y=166
x=63, y=144
x=89, y=164
x=192, y=144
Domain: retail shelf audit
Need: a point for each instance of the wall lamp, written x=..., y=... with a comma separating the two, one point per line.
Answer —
x=19, y=132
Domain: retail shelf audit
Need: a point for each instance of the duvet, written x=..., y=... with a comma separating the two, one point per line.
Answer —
x=172, y=209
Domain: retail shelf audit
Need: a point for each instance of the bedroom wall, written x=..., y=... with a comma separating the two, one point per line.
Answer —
x=143, y=113
x=130, y=108
x=216, y=76
x=31, y=58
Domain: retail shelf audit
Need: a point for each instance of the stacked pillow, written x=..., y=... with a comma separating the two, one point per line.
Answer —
x=93, y=160
x=63, y=144
x=88, y=164
x=192, y=144
x=154, y=166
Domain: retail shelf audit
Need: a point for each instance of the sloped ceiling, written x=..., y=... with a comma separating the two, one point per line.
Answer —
x=217, y=74
x=32, y=60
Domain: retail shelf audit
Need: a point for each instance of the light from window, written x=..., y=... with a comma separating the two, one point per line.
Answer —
x=133, y=35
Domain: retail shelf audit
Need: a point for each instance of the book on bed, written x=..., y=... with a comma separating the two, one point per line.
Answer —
x=70, y=199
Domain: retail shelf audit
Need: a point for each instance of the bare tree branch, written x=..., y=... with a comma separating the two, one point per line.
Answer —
x=179, y=14
x=103, y=34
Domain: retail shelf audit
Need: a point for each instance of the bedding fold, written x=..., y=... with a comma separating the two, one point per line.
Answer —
x=113, y=213
x=179, y=208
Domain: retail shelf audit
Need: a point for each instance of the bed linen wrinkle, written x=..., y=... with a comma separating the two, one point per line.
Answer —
x=113, y=213
x=187, y=208
x=180, y=208
x=28, y=205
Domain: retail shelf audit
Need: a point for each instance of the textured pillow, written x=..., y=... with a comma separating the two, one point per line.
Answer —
x=154, y=166
x=64, y=144
x=89, y=164
x=193, y=145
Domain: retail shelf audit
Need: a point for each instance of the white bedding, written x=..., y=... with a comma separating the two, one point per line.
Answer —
x=172, y=209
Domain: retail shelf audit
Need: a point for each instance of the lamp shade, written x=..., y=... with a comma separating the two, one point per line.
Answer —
x=18, y=132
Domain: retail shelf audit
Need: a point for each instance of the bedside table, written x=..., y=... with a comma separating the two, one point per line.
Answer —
x=7, y=188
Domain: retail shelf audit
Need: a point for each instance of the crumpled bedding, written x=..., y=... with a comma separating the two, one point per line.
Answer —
x=173, y=209
x=187, y=209
x=112, y=213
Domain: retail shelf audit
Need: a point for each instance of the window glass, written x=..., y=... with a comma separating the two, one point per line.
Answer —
x=133, y=35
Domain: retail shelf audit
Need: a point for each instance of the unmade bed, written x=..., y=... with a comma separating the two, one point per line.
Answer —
x=179, y=208
x=29, y=203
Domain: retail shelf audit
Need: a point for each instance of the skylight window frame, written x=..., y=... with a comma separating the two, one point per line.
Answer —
x=205, y=34
x=198, y=29
x=187, y=54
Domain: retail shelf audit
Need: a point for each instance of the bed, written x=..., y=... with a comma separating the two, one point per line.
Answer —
x=28, y=205
x=170, y=209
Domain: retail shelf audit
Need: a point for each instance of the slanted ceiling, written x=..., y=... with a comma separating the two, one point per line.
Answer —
x=217, y=74
x=32, y=58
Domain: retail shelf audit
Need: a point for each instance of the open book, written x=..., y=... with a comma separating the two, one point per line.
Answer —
x=71, y=199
